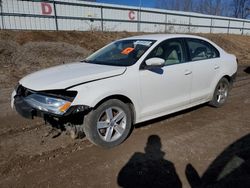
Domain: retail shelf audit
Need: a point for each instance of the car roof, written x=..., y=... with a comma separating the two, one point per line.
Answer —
x=161, y=37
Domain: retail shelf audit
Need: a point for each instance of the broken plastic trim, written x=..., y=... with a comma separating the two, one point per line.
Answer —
x=58, y=93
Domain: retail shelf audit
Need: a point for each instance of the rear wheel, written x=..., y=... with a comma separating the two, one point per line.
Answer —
x=221, y=93
x=109, y=124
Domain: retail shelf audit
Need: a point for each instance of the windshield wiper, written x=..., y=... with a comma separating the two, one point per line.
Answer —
x=84, y=61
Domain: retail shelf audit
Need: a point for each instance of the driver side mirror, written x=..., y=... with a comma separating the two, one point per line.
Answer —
x=155, y=62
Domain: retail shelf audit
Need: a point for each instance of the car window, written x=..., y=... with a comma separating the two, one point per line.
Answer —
x=200, y=50
x=120, y=53
x=171, y=51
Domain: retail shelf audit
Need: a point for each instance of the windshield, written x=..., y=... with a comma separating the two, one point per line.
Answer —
x=120, y=53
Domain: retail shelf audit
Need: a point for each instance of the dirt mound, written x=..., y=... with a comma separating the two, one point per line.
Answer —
x=18, y=60
x=7, y=49
x=235, y=44
x=89, y=40
x=43, y=54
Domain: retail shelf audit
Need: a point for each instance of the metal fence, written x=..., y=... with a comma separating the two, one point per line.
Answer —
x=83, y=16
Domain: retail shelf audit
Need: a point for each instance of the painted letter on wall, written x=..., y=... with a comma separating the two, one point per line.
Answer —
x=131, y=15
x=46, y=8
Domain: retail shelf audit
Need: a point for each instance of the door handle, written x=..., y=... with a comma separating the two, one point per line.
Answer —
x=187, y=72
x=216, y=67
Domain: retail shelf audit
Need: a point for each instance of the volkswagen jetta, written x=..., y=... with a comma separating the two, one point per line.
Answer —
x=126, y=82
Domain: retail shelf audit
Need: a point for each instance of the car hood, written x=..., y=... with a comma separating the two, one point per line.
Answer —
x=67, y=75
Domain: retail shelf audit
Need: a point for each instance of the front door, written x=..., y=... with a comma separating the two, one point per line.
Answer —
x=167, y=89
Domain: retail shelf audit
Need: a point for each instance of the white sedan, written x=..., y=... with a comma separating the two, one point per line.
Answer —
x=127, y=82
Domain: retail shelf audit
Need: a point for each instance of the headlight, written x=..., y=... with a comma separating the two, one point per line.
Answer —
x=48, y=104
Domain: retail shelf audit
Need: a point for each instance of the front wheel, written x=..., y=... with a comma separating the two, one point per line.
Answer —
x=220, y=93
x=109, y=124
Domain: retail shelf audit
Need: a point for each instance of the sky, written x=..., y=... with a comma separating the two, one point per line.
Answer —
x=225, y=11
x=147, y=3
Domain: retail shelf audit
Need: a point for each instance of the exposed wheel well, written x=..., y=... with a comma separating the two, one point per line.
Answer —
x=227, y=77
x=230, y=80
x=124, y=99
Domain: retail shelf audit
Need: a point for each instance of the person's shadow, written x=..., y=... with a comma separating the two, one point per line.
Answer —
x=231, y=169
x=149, y=169
x=247, y=70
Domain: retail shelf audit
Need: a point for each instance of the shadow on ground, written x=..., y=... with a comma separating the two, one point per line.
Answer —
x=230, y=169
x=149, y=169
x=247, y=70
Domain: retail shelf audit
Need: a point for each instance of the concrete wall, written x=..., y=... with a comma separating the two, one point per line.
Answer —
x=83, y=16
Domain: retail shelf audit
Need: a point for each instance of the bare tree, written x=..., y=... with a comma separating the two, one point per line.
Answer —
x=208, y=6
x=212, y=7
x=163, y=4
x=235, y=8
x=188, y=5
x=218, y=8
x=241, y=8
x=178, y=5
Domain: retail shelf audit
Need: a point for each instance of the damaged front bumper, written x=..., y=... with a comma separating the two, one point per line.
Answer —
x=29, y=109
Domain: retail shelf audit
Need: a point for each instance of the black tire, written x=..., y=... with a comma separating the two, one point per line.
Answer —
x=220, y=93
x=109, y=124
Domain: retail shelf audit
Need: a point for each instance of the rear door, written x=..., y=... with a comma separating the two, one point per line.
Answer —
x=205, y=66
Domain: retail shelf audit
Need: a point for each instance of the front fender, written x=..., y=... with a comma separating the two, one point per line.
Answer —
x=92, y=93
